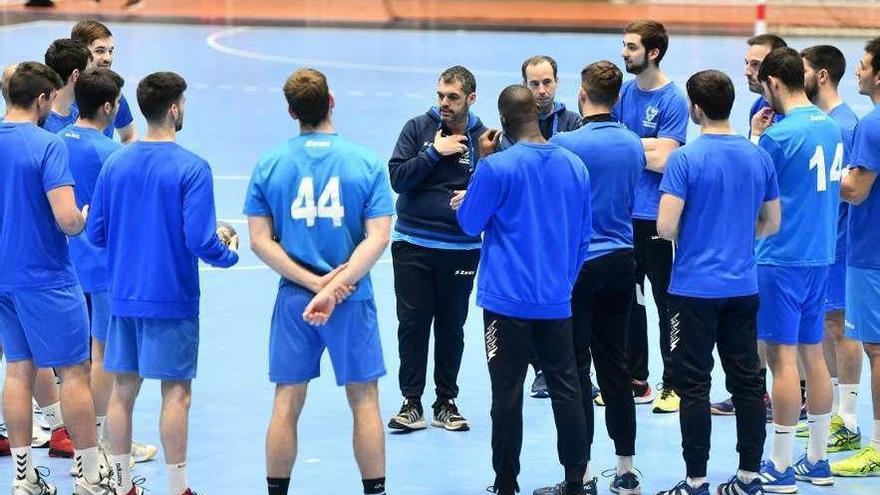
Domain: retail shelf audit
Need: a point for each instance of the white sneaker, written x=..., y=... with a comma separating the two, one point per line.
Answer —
x=39, y=420
x=40, y=438
x=25, y=487
x=142, y=452
x=103, y=487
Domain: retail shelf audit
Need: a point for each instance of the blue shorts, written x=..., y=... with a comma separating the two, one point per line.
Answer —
x=835, y=289
x=100, y=302
x=863, y=305
x=161, y=349
x=351, y=337
x=792, y=309
x=48, y=326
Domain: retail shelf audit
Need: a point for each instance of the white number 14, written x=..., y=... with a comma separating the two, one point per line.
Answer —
x=818, y=162
x=328, y=205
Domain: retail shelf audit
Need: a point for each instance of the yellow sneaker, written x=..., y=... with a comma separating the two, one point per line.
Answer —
x=667, y=402
x=599, y=400
x=863, y=464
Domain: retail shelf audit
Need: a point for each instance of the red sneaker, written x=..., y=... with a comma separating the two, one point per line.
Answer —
x=189, y=492
x=61, y=445
x=4, y=446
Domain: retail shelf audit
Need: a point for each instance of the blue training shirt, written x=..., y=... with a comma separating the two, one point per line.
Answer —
x=532, y=201
x=34, y=250
x=153, y=209
x=847, y=120
x=807, y=150
x=615, y=158
x=88, y=149
x=55, y=123
x=659, y=113
x=864, y=219
x=319, y=189
x=723, y=180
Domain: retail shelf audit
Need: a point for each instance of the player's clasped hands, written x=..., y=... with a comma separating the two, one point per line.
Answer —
x=762, y=120
x=227, y=235
x=450, y=145
x=327, y=295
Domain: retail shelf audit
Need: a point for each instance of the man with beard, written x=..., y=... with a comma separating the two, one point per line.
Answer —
x=153, y=273
x=654, y=108
x=434, y=260
x=761, y=115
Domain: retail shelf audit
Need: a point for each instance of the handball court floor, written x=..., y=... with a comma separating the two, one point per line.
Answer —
x=235, y=110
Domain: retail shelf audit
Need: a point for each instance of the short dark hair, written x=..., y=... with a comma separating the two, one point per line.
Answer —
x=539, y=59
x=157, y=92
x=826, y=57
x=87, y=31
x=653, y=35
x=96, y=87
x=517, y=106
x=308, y=96
x=66, y=55
x=601, y=81
x=786, y=65
x=712, y=91
x=462, y=75
x=29, y=81
x=769, y=40
x=873, y=47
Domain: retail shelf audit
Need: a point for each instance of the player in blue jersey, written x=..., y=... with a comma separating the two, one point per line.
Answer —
x=525, y=294
x=100, y=42
x=859, y=188
x=653, y=107
x=761, y=115
x=807, y=151
x=602, y=297
x=319, y=211
x=720, y=192
x=42, y=312
x=825, y=66
x=153, y=273
x=69, y=59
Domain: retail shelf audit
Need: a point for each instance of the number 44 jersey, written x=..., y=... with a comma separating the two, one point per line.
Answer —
x=319, y=189
x=807, y=151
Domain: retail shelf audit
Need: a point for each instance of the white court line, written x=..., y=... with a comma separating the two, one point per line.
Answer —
x=254, y=268
x=213, y=41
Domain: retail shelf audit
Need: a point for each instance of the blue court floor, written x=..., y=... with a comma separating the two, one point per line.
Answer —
x=234, y=111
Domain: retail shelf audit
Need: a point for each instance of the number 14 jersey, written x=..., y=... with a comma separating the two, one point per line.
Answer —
x=319, y=190
x=807, y=151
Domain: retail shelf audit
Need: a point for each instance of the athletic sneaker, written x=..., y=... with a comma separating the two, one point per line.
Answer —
x=803, y=429
x=40, y=487
x=5, y=448
x=410, y=418
x=595, y=389
x=768, y=406
x=803, y=416
x=776, y=482
x=599, y=400
x=626, y=484
x=102, y=487
x=61, y=445
x=446, y=416
x=143, y=452
x=723, y=408
x=667, y=402
x=683, y=488
x=39, y=437
x=105, y=470
x=842, y=438
x=642, y=393
x=137, y=486
x=539, y=387
x=865, y=463
x=589, y=488
x=736, y=486
x=818, y=474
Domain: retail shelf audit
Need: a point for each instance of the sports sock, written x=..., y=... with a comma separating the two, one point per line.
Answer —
x=835, y=400
x=52, y=415
x=100, y=421
x=849, y=400
x=624, y=464
x=88, y=459
x=875, y=437
x=177, y=483
x=747, y=476
x=24, y=464
x=783, y=443
x=122, y=471
x=696, y=482
x=374, y=486
x=820, y=430
x=803, y=391
x=278, y=486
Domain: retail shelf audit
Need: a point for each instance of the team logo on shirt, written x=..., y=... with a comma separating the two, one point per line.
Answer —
x=651, y=113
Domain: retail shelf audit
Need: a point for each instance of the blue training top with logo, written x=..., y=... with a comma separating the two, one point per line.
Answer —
x=723, y=180
x=615, y=158
x=319, y=188
x=123, y=116
x=864, y=232
x=56, y=122
x=659, y=113
x=807, y=150
x=88, y=149
x=847, y=120
x=35, y=254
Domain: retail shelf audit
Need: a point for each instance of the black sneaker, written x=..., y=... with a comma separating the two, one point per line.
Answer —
x=410, y=418
x=539, y=387
x=589, y=488
x=446, y=416
x=626, y=484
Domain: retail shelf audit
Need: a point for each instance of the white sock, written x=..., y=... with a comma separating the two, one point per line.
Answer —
x=696, y=482
x=587, y=478
x=747, y=476
x=122, y=469
x=177, y=478
x=835, y=400
x=52, y=415
x=875, y=438
x=849, y=401
x=624, y=464
x=100, y=421
x=88, y=459
x=820, y=430
x=783, y=445
x=24, y=465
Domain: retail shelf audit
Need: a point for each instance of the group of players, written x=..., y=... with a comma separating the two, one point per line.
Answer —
x=611, y=192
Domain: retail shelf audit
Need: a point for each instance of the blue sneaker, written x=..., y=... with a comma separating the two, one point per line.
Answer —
x=775, y=482
x=683, y=488
x=559, y=489
x=626, y=484
x=818, y=474
x=736, y=487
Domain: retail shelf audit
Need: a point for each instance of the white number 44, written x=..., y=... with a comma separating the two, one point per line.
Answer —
x=329, y=204
x=818, y=162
